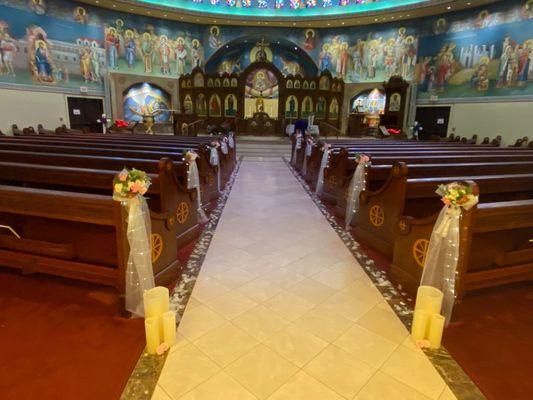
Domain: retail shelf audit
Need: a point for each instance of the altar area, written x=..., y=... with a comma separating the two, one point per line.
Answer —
x=260, y=100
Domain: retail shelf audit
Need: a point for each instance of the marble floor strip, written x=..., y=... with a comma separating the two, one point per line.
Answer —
x=143, y=380
x=281, y=309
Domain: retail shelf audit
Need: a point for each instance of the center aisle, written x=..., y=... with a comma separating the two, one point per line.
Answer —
x=282, y=310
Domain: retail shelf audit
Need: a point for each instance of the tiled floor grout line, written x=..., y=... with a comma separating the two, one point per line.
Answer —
x=453, y=375
x=145, y=375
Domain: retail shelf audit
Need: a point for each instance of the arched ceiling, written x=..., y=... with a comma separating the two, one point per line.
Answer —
x=232, y=12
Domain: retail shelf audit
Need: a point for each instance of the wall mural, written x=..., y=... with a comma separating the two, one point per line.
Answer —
x=487, y=53
x=60, y=45
x=146, y=99
x=65, y=45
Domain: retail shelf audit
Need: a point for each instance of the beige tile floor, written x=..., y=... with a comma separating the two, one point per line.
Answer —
x=282, y=310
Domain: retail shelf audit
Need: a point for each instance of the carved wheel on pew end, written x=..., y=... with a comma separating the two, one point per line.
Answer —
x=376, y=215
x=157, y=246
x=332, y=181
x=182, y=212
x=420, y=249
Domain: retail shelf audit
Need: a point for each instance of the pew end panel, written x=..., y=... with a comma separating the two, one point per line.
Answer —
x=376, y=222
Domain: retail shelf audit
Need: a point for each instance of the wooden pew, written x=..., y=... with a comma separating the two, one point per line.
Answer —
x=495, y=246
x=206, y=171
x=380, y=210
x=154, y=143
x=167, y=196
x=74, y=235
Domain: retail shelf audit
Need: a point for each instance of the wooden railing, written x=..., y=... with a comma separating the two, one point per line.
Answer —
x=329, y=130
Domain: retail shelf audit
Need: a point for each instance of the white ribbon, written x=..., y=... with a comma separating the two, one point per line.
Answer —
x=139, y=271
x=320, y=180
x=357, y=185
x=193, y=182
x=442, y=255
x=215, y=162
x=297, y=146
x=224, y=147
x=231, y=140
x=308, y=151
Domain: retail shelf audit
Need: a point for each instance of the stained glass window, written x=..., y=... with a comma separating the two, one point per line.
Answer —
x=310, y=3
x=326, y=3
x=279, y=4
x=215, y=2
x=231, y=3
x=295, y=4
x=246, y=3
x=344, y=2
x=262, y=4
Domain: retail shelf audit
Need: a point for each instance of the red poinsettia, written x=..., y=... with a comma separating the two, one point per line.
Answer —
x=120, y=123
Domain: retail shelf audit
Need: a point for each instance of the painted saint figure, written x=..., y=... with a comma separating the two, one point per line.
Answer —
x=130, y=49
x=180, y=54
x=147, y=51
x=112, y=44
x=164, y=55
x=42, y=62
x=9, y=48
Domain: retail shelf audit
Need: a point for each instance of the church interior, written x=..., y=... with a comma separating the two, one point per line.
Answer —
x=266, y=199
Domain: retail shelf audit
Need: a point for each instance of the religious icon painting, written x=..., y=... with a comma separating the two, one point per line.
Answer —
x=214, y=106
x=320, y=108
x=307, y=106
x=189, y=83
x=291, y=107
x=217, y=83
x=225, y=83
x=198, y=80
x=210, y=82
x=324, y=83
x=312, y=85
x=201, y=105
x=183, y=84
x=334, y=110
x=305, y=85
x=234, y=82
x=289, y=84
x=230, y=105
x=187, y=104
x=297, y=84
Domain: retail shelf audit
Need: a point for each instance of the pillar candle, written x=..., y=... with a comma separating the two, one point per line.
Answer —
x=155, y=301
x=420, y=325
x=169, y=328
x=153, y=339
x=429, y=299
x=436, y=327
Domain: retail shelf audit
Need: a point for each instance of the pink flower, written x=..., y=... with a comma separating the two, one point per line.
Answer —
x=123, y=175
x=162, y=348
x=143, y=190
x=446, y=201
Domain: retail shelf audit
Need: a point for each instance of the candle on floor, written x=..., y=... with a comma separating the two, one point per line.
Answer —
x=156, y=301
x=153, y=338
x=436, y=327
x=169, y=328
x=419, y=325
x=429, y=299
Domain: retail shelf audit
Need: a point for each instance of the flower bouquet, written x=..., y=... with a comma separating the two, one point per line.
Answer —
x=131, y=183
x=457, y=194
x=189, y=156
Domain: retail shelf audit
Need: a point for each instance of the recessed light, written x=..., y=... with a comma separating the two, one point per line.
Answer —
x=114, y=6
x=342, y=23
x=165, y=15
x=97, y=2
x=149, y=12
x=449, y=8
x=294, y=24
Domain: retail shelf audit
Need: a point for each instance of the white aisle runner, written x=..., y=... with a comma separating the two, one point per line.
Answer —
x=282, y=310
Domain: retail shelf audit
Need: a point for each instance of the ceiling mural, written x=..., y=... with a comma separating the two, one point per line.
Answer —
x=64, y=45
x=284, y=8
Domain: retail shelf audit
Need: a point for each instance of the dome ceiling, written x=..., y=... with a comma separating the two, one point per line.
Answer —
x=315, y=13
x=285, y=8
